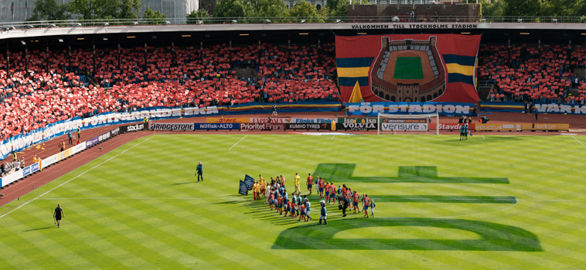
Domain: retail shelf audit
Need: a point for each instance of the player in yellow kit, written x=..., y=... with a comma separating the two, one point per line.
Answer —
x=263, y=185
x=297, y=185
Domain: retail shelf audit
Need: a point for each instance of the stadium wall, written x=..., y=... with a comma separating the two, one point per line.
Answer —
x=23, y=141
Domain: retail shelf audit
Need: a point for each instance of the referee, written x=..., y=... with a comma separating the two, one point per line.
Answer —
x=199, y=171
x=58, y=214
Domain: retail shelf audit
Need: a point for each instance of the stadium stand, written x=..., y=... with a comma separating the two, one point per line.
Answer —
x=541, y=74
x=57, y=85
x=49, y=86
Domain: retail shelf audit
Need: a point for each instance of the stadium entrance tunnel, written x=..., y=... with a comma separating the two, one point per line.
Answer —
x=491, y=236
x=343, y=173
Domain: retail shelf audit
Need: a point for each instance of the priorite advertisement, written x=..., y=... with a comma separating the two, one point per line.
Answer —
x=262, y=126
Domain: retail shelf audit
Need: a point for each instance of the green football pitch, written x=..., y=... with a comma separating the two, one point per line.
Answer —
x=408, y=68
x=500, y=202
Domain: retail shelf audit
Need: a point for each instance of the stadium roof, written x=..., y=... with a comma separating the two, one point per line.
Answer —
x=9, y=32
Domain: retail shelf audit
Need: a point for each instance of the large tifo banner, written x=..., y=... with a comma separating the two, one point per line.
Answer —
x=408, y=68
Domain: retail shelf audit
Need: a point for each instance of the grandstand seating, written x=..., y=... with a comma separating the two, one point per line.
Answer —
x=41, y=92
x=540, y=74
x=35, y=92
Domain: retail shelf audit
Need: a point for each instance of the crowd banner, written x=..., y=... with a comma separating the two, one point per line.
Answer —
x=316, y=126
x=442, y=108
x=417, y=67
x=171, y=126
x=227, y=120
x=561, y=109
x=263, y=126
x=575, y=109
x=216, y=126
x=299, y=106
x=23, y=141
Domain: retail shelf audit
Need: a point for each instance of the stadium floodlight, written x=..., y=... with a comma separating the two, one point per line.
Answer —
x=302, y=21
x=234, y=21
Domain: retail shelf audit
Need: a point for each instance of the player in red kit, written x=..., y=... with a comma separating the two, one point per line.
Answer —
x=309, y=183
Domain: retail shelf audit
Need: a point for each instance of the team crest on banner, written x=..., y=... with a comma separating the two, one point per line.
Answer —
x=407, y=68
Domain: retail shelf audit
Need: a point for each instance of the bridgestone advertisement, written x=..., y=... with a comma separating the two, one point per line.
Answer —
x=171, y=126
x=262, y=126
x=215, y=126
x=308, y=126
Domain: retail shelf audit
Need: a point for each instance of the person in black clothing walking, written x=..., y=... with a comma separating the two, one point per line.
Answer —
x=323, y=212
x=58, y=214
x=199, y=171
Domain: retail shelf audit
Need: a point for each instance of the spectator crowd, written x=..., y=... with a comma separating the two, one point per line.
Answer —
x=41, y=87
x=540, y=74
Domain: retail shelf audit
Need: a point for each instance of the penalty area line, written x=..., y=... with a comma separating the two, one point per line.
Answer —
x=236, y=143
x=75, y=177
x=584, y=146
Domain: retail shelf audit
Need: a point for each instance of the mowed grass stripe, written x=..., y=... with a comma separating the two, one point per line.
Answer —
x=162, y=168
x=80, y=253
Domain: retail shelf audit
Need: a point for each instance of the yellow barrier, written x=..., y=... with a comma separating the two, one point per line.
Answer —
x=522, y=127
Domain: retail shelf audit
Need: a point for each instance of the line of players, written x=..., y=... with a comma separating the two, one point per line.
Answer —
x=300, y=206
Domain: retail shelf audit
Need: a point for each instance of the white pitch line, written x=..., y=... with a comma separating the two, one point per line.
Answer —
x=122, y=198
x=579, y=141
x=236, y=143
x=77, y=176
